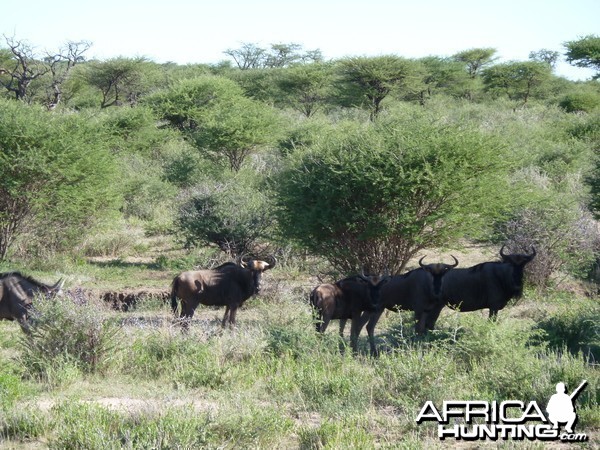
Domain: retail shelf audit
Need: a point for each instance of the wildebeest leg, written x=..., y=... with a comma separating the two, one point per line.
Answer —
x=432, y=318
x=493, y=314
x=355, y=327
x=232, y=313
x=318, y=318
x=325, y=322
x=420, y=321
x=187, y=312
x=372, y=319
x=226, y=316
x=342, y=327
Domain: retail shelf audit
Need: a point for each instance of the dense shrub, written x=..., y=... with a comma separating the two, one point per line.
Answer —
x=66, y=339
x=371, y=196
x=580, y=102
x=235, y=214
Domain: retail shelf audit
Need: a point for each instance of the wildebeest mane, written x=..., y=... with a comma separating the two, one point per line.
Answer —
x=227, y=265
x=25, y=277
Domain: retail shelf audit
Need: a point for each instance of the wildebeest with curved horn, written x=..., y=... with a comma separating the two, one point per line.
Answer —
x=485, y=285
x=419, y=290
x=346, y=299
x=229, y=285
x=16, y=296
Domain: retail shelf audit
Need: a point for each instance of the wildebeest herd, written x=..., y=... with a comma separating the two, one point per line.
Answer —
x=360, y=298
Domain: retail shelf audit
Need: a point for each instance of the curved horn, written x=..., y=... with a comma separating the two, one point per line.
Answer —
x=271, y=261
x=59, y=284
x=502, y=251
x=244, y=259
x=455, y=262
x=421, y=262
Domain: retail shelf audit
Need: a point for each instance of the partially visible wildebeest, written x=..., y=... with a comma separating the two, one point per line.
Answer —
x=486, y=285
x=16, y=296
x=346, y=299
x=418, y=290
x=229, y=285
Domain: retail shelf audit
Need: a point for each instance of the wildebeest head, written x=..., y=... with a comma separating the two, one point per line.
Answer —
x=17, y=293
x=257, y=267
x=518, y=261
x=374, y=283
x=437, y=271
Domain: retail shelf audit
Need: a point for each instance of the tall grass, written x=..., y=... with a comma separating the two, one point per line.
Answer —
x=272, y=382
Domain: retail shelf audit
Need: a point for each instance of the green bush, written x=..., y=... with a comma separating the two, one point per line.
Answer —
x=67, y=338
x=371, y=196
x=580, y=102
x=235, y=214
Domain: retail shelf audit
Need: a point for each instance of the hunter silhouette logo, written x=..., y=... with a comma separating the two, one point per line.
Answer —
x=561, y=408
x=509, y=419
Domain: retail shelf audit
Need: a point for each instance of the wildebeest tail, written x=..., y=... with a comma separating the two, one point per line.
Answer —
x=314, y=299
x=174, y=288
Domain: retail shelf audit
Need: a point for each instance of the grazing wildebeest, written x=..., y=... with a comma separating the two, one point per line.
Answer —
x=229, y=285
x=486, y=285
x=16, y=296
x=346, y=299
x=418, y=290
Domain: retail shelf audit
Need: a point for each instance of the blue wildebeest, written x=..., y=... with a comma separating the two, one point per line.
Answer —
x=486, y=285
x=346, y=299
x=229, y=285
x=16, y=296
x=419, y=290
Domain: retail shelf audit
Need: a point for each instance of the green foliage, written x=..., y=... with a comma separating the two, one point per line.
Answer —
x=94, y=427
x=217, y=118
x=580, y=102
x=518, y=80
x=372, y=196
x=475, y=59
x=584, y=52
x=67, y=338
x=575, y=327
x=56, y=175
x=306, y=88
x=235, y=214
x=367, y=81
x=120, y=80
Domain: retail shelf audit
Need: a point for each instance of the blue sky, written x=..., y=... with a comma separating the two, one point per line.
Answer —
x=186, y=31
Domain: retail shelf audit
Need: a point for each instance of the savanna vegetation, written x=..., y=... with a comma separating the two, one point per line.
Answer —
x=119, y=174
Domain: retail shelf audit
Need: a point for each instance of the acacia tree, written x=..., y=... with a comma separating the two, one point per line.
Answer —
x=518, y=80
x=584, y=52
x=252, y=56
x=475, y=59
x=367, y=81
x=216, y=116
x=21, y=69
x=57, y=176
x=306, y=88
x=370, y=197
x=60, y=65
x=119, y=80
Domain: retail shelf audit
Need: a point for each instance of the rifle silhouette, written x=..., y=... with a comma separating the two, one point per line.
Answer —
x=579, y=388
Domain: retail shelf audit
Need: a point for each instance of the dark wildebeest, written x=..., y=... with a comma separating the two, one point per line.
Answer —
x=346, y=299
x=486, y=285
x=229, y=285
x=418, y=290
x=16, y=296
